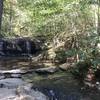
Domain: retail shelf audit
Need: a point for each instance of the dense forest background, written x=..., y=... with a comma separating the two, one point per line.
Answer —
x=50, y=17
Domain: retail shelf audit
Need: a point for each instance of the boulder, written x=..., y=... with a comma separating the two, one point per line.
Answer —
x=66, y=66
x=27, y=93
x=2, y=77
x=16, y=89
x=98, y=85
x=11, y=82
x=16, y=71
x=16, y=75
x=46, y=70
x=7, y=94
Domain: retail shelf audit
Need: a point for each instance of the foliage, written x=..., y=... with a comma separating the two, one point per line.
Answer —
x=74, y=22
x=61, y=56
x=48, y=17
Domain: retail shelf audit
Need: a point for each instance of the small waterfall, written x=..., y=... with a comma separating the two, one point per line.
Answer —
x=1, y=48
x=28, y=47
x=19, y=47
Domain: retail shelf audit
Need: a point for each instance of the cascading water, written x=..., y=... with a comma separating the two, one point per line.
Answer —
x=18, y=46
x=1, y=48
x=28, y=47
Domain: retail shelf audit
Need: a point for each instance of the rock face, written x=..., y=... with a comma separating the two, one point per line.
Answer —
x=46, y=70
x=17, y=89
x=19, y=46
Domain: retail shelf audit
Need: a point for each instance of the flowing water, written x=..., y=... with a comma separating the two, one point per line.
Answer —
x=58, y=86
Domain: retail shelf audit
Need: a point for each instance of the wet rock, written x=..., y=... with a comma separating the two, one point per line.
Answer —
x=89, y=84
x=7, y=94
x=10, y=94
x=46, y=70
x=15, y=71
x=27, y=93
x=2, y=77
x=66, y=66
x=25, y=97
x=11, y=82
x=22, y=91
x=16, y=75
x=98, y=85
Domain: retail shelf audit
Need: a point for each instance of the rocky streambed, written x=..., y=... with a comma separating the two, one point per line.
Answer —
x=39, y=86
x=42, y=84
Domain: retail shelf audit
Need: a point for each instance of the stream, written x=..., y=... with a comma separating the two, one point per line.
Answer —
x=60, y=85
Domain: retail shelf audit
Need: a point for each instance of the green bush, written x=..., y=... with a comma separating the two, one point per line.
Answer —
x=61, y=55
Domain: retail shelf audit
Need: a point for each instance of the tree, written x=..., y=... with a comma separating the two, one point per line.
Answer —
x=1, y=11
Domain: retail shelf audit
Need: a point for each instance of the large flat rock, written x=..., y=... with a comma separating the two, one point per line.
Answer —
x=46, y=70
x=66, y=66
x=17, y=89
x=15, y=71
x=11, y=82
x=7, y=94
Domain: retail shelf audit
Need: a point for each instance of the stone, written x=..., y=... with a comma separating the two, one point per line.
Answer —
x=27, y=93
x=7, y=94
x=25, y=97
x=66, y=66
x=15, y=71
x=11, y=82
x=98, y=85
x=2, y=77
x=22, y=91
x=16, y=75
x=46, y=70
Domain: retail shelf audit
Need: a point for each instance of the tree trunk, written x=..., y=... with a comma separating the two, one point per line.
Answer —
x=98, y=18
x=10, y=17
x=1, y=11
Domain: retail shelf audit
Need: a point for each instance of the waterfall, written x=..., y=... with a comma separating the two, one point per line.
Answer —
x=1, y=48
x=28, y=47
x=19, y=46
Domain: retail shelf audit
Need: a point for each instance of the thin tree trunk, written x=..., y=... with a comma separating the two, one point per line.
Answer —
x=1, y=12
x=10, y=18
x=98, y=29
x=98, y=19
